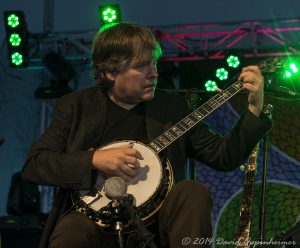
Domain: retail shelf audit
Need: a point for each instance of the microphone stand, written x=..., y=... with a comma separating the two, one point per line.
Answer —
x=115, y=214
x=120, y=212
x=262, y=214
x=144, y=234
x=119, y=229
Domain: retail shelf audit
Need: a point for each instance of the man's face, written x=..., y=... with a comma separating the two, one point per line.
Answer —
x=136, y=84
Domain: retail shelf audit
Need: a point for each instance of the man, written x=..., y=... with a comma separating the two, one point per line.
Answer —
x=125, y=106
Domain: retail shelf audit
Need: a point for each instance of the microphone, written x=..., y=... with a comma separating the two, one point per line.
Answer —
x=122, y=204
x=280, y=90
x=115, y=187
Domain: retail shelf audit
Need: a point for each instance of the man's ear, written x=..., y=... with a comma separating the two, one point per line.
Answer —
x=110, y=76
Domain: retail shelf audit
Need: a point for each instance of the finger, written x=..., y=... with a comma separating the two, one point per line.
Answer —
x=250, y=80
x=111, y=148
x=126, y=146
x=131, y=160
x=248, y=77
x=243, y=75
x=135, y=165
x=127, y=170
x=131, y=152
x=250, y=87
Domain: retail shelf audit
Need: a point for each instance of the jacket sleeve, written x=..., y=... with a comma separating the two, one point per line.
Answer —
x=50, y=162
x=228, y=152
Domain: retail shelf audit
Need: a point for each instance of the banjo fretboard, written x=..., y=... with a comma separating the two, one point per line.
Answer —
x=181, y=127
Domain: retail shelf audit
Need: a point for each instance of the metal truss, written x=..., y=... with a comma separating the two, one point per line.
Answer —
x=74, y=46
x=187, y=42
x=213, y=41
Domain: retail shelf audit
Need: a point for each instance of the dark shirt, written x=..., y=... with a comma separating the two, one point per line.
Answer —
x=123, y=124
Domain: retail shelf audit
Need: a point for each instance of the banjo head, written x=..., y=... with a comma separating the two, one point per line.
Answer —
x=146, y=187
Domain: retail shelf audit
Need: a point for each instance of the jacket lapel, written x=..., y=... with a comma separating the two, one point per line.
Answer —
x=94, y=119
x=155, y=113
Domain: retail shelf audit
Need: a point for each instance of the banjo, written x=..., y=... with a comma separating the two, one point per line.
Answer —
x=154, y=180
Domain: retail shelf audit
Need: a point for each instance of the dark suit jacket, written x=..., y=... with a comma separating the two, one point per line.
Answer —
x=61, y=157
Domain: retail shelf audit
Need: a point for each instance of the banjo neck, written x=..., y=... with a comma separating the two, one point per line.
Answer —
x=184, y=125
x=268, y=66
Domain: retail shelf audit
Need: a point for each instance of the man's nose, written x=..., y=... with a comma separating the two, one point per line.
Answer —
x=152, y=72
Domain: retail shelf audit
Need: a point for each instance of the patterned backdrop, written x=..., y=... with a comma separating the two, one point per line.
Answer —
x=283, y=176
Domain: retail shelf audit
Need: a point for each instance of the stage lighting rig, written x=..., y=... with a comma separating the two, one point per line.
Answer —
x=16, y=38
x=291, y=70
x=222, y=73
x=109, y=14
x=211, y=85
x=233, y=60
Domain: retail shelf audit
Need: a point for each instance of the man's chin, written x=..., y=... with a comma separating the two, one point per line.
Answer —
x=148, y=96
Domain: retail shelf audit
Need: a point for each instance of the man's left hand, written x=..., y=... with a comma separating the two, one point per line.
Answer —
x=254, y=83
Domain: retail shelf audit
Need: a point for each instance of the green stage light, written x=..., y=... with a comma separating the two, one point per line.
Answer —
x=17, y=58
x=13, y=20
x=211, y=85
x=222, y=74
x=291, y=70
x=109, y=14
x=15, y=39
x=294, y=68
x=233, y=61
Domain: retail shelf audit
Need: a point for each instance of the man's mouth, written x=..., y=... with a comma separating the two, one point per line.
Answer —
x=149, y=86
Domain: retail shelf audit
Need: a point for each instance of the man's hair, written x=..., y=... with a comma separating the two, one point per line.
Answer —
x=116, y=46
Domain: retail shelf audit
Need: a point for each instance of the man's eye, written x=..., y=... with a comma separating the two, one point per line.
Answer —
x=140, y=66
x=144, y=65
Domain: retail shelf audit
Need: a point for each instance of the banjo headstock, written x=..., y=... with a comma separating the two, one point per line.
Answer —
x=271, y=65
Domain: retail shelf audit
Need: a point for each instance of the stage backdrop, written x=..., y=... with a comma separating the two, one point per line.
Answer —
x=283, y=175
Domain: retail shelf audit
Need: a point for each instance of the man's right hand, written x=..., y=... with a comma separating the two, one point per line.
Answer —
x=121, y=161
